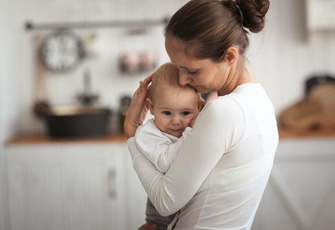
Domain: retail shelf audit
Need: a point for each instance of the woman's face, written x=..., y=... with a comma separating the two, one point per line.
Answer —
x=204, y=75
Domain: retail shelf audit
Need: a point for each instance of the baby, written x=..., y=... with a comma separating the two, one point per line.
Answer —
x=175, y=109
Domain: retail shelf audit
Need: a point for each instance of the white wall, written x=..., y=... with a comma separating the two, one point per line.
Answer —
x=286, y=54
x=111, y=43
x=4, y=111
x=1, y=113
x=281, y=57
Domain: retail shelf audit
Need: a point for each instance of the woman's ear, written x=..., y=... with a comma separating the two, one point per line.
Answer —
x=231, y=55
x=149, y=105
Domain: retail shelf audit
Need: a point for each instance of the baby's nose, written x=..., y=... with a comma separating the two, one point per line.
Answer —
x=176, y=120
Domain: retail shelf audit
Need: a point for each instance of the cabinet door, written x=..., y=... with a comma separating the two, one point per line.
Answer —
x=136, y=197
x=300, y=193
x=66, y=187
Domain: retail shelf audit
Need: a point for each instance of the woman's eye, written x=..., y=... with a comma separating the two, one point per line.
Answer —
x=185, y=113
x=166, y=113
x=191, y=72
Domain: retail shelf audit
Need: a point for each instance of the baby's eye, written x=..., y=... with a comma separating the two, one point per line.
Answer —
x=185, y=113
x=166, y=113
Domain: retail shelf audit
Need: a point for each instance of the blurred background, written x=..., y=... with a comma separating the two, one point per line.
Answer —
x=93, y=53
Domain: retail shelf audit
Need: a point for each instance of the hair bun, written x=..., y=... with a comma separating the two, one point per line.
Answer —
x=254, y=12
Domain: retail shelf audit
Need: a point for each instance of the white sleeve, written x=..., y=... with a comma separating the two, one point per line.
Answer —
x=213, y=133
x=158, y=148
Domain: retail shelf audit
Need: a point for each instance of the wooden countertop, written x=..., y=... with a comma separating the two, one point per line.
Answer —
x=283, y=133
x=117, y=138
x=42, y=139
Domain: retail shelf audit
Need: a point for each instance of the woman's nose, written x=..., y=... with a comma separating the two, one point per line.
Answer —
x=184, y=79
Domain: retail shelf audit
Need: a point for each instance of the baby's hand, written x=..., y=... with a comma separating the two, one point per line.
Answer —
x=147, y=226
x=192, y=122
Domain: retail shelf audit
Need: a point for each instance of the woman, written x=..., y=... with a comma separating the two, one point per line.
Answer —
x=220, y=173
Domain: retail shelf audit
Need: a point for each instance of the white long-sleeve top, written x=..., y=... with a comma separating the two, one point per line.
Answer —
x=159, y=147
x=219, y=175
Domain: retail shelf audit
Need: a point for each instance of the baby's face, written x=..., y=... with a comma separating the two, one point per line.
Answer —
x=174, y=108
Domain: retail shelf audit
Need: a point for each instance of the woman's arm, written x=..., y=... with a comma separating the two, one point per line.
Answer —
x=137, y=110
x=212, y=135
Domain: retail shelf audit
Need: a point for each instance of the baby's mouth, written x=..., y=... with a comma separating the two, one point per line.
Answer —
x=177, y=130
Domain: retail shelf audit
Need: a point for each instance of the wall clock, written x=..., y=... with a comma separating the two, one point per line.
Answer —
x=61, y=51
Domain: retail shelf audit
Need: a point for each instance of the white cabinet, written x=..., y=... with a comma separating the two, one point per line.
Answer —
x=73, y=186
x=92, y=186
x=301, y=191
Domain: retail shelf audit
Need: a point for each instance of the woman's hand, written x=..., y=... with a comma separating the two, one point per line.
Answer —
x=148, y=227
x=137, y=110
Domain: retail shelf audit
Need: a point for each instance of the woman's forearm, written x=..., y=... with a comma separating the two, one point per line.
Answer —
x=137, y=110
x=171, y=191
x=149, y=175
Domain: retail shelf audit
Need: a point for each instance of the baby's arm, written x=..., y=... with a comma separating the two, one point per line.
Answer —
x=157, y=147
x=169, y=152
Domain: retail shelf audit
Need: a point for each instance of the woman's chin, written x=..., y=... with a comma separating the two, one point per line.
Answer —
x=202, y=90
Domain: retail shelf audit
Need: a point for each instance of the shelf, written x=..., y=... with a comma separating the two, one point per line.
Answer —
x=29, y=25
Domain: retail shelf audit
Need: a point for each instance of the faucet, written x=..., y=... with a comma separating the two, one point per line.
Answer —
x=87, y=97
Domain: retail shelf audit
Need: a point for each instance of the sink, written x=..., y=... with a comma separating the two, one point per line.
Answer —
x=77, y=121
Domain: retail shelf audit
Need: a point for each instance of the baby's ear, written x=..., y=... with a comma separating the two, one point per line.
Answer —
x=149, y=105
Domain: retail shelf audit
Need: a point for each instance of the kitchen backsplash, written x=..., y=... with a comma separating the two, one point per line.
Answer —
x=103, y=62
x=104, y=54
x=281, y=57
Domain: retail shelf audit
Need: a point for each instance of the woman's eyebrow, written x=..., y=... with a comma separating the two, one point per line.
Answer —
x=188, y=68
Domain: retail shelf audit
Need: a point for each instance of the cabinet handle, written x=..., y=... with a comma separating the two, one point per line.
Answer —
x=112, y=183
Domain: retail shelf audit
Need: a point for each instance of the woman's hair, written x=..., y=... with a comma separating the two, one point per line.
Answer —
x=210, y=27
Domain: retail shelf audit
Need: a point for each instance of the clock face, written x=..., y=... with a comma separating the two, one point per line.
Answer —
x=61, y=51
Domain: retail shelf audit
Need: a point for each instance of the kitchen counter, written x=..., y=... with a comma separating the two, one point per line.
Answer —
x=285, y=133
x=72, y=184
x=120, y=137
x=50, y=176
x=42, y=139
